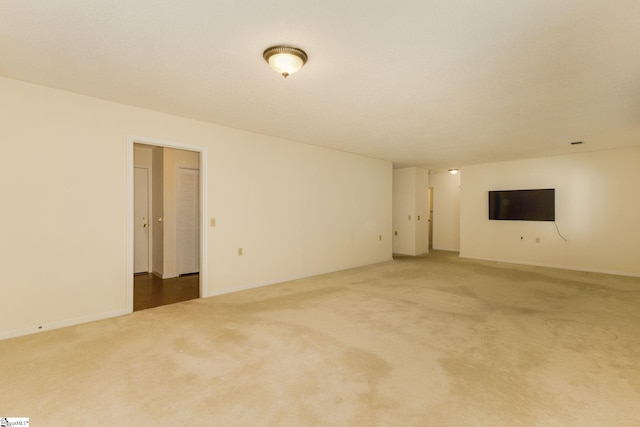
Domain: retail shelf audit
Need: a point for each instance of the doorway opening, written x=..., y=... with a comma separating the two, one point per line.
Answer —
x=166, y=239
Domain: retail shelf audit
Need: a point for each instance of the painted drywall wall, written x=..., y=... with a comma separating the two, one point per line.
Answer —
x=143, y=155
x=597, y=211
x=157, y=211
x=410, y=201
x=404, y=206
x=446, y=211
x=297, y=210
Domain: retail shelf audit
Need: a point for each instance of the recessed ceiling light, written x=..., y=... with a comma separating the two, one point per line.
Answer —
x=285, y=60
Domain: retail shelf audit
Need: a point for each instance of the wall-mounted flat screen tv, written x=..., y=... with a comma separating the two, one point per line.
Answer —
x=523, y=205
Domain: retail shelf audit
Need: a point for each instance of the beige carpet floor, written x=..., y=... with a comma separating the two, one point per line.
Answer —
x=428, y=341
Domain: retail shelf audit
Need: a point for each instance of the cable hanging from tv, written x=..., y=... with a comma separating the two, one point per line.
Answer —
x=558, y=230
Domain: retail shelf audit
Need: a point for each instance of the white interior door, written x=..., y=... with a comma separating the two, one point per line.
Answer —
x=141, y=220
x=188, y=216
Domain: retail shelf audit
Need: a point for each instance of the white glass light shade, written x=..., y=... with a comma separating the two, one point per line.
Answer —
x=285, y=63
x=285, y=60
x=454, y=171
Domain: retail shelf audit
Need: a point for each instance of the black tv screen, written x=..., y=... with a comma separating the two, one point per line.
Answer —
x=523, y=205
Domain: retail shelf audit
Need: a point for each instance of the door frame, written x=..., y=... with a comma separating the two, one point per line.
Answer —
x=131, y=140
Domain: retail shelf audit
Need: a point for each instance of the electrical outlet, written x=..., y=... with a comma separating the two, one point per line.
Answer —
x=212, y=222
x=537, y=240
x=380, y=237
x=395, y=233
x=418, y=217
x=239, y=251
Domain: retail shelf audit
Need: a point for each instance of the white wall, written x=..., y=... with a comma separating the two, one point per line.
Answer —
x=410, y=201
x=597, y=210
x=157, y=211
x=142, y=155
x=446, y=211
x=403, y=207
x=297, y=210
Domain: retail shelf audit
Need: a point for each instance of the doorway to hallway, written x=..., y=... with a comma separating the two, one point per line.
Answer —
x=171, y=221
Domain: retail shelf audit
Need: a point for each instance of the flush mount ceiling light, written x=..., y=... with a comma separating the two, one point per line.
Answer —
x=454, y=171
x=285, y=60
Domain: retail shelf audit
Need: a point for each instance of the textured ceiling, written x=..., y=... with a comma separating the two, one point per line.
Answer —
x=436, y=84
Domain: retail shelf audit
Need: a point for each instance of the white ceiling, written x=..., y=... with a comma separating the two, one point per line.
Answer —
x=430, y=83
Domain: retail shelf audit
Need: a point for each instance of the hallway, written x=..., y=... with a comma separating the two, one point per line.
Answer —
x=152, y=291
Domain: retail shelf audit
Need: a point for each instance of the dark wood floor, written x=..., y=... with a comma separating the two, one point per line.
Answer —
x=152, y=291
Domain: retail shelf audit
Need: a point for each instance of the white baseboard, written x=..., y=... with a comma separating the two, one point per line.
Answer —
x=61, y=324
x=260, y=285
x=79, y=320
x=282, y=280
x=242, y=288
x=559, y=266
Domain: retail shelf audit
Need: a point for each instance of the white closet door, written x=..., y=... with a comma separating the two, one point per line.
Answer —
x=188, y=216
x=141, y=220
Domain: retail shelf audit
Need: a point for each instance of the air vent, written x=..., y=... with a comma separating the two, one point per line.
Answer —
x=576, y=143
